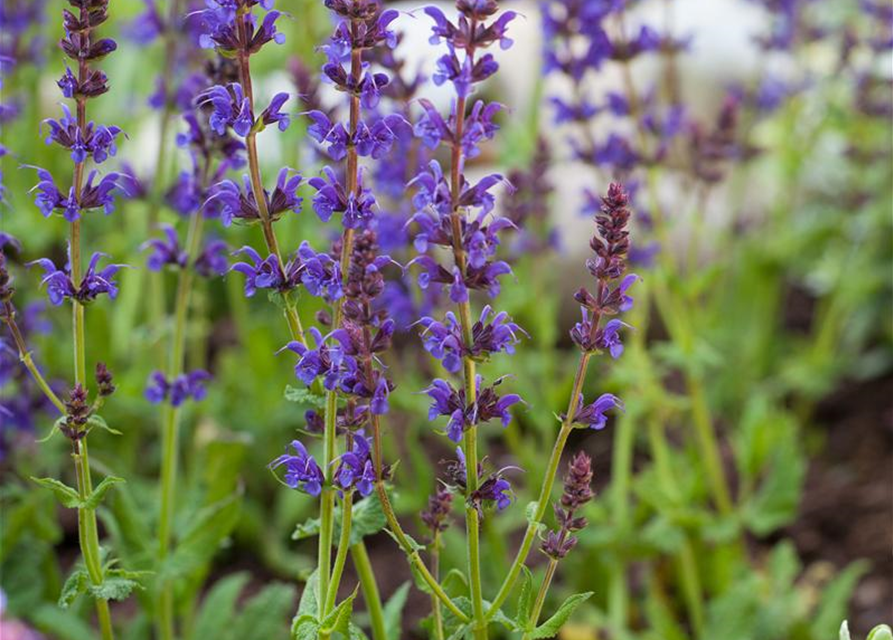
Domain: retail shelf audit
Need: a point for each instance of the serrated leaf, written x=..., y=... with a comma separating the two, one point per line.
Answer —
x=393, y=612
x=553, y=625
x=114, y=588
x=67, y=496
x=75, y=585
x=265, y=615
x=305, y=627
x=367, y=518
x=99, y=421
x=95, y=498
x=304, y=396
x=216, y=613
x=206, y=531
x=525, y=598
x=338, y=619
x=309, y=603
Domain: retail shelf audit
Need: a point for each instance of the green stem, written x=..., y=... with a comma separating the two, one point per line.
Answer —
x=541, y=596
x=546, y=490
x=341, y=556
x=408, y=547
x=369, y=587
x=88, y=536
x=170, y=424
x=436, y=611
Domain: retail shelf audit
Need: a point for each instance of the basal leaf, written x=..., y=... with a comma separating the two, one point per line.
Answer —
x=339, y=618
x=393, y=612
x=309, y=604
x=216, y=613
x=305, y=627
x=265, y=615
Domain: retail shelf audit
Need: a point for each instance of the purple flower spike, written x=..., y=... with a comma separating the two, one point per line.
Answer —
x=301, y=470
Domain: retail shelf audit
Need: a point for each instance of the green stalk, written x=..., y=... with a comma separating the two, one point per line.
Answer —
x=327, y=497
x=542, y=503
x=408, y=547
x=88, y=536
x=87, y=530
x=369, y=587
x=170, y=425
x=341, y=556
x=436, y=611
x=541, y=595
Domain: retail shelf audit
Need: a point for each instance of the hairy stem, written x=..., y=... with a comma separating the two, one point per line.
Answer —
x=369, y=587
x=542, y=503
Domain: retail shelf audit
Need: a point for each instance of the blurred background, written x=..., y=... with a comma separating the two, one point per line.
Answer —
x=758, y=147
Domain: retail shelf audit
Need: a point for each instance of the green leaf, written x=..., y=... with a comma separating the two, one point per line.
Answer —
x=216, y=613
x=880, y=632
x=114, y=588
x=54, y=430
x=309, y=604
x=415, y=546
x=60, y=624
x=393, y=612
x=367, y=519
x=305, y=627
x=835, y=597
x=67, y=496
x=844, y=631
x=304, y=396
x=356, y=633
x=75, y=585
x=95, y=498
x=206, y=531
x=99, y=421
x=553, y=625
x=530, y=513
x=265, y=615
x=525, y=598
x=339, y=618
x=455, y=583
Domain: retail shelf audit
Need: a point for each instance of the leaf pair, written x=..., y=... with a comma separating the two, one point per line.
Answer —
x=69, y=496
